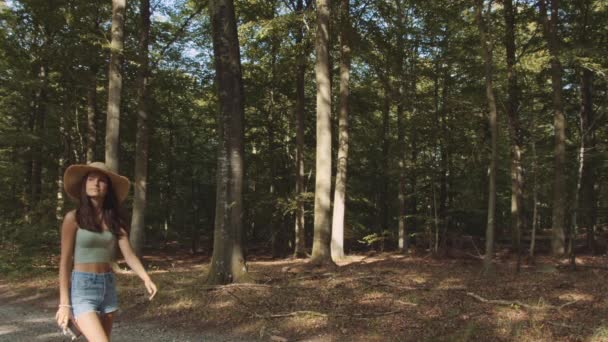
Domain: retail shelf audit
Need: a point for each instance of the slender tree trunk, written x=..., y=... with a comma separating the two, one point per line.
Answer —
x=276, y=238
x=403, y=241
x=588, y=195
x=559, y=187
x=115, y=84
x=60, y=169
x=91, y=115
x=137, y=236
x=300, y=234
x=487, y=56
x=228, y=261
x=38, y=130
x=587, y=203
x=535, y=219
x=517, y=213
x=444, y=163
x=337, y=235
x=384, y=168
x=114, y=92
x=412, y=223
x=321, y=253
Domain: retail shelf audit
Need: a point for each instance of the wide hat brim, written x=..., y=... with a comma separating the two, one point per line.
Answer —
x=74, y=174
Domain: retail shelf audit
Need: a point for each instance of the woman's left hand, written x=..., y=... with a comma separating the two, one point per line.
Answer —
x=151, y=287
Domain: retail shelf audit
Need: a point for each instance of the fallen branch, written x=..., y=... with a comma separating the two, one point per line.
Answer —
x=293, y=314
x=500, y=301
x=516, y=302
x=321, y=314
x=229, y=286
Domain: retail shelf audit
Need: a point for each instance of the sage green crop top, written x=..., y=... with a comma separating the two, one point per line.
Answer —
x=93, y=247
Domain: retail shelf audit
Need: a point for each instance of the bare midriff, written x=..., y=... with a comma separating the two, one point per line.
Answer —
x=96, y=267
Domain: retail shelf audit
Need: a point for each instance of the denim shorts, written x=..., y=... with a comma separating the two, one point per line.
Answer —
x=93, y=292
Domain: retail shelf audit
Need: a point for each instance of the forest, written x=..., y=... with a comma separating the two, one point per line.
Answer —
x=402, y=152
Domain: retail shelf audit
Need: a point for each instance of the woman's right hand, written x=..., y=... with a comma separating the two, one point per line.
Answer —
x=62, y=316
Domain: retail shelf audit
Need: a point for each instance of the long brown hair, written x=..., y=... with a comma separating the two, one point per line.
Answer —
x=112, y=212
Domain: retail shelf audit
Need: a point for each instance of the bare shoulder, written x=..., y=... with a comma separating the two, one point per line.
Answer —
x=69, y=221
x=70, y=216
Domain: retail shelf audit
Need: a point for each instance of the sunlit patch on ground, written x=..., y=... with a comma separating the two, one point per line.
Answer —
x=382, y=297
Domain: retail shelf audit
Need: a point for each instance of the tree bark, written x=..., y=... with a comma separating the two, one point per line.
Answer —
x=444, y=163
x=587, y=204
x=321, y=253
x=228, y=261
x=402, y=243
x=588, y=195
x=115, y=84
x=487, y=57
x=300, y=234
x=517, y=181
x=91, y=115
x=384, y=167
x=550, y=27
x=141, y=141
x=337, y=235
x=39, y=120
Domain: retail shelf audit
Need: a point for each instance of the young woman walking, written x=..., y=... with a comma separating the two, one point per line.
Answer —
x=87, y=287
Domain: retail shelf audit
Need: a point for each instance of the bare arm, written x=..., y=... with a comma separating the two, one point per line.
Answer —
x=68, y=236
x=134, y=263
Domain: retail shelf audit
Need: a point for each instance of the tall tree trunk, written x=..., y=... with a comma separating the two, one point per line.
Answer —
x=277, y=237
x=517, y=212
x=91, y=115
x=115, y=84
x=587, y=204
x=228, y=261
x=114, y=92
x=559, y=186
x=59, y=208
x=444, y=163
x=588, y=195
x=137, y=236
x=402, y=228
x=337, y=235
x=38, y=130
x=487, y=57
x=384, y=166
x=300, y=234
x=402, y=243
x=535, y=219
x=412, y=223
x=321, y=253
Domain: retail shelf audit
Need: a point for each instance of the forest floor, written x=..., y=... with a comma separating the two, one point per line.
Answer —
x=378, y=297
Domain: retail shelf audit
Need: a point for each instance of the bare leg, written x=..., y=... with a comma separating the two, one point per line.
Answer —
x=106, y=322
x=90, y=325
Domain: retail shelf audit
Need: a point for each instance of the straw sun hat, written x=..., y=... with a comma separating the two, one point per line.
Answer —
x=72, y=179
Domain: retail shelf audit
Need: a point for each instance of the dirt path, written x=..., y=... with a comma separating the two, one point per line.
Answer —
x=27, y=323
x=32, y=319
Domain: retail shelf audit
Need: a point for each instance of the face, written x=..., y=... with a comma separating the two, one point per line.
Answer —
x=97, y=184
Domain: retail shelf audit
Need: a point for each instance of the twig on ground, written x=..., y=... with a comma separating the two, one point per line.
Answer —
x=228, y=286
x=500, y=301
x=321, y=314
x=516, y=302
